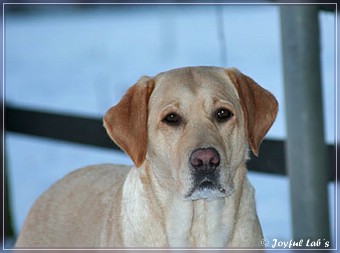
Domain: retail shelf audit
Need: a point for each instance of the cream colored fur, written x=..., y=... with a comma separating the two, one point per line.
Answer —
x=148, y=205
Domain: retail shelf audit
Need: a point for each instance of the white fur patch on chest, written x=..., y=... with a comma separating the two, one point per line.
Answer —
x=197, y=224
x=207, y=227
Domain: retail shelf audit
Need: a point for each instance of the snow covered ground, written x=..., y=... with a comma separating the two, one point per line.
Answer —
x=81, y=62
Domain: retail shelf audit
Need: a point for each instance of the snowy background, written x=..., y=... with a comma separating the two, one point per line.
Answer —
x=81, y=61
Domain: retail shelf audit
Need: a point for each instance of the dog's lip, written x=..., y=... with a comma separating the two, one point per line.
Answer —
x=207, y=185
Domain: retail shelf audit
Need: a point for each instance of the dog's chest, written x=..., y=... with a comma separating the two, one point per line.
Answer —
x=207, y=229
x=197, y=224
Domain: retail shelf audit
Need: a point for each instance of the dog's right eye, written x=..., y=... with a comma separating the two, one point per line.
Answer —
x=172, y=119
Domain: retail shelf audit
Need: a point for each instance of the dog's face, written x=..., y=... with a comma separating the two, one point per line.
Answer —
x=196, y=135
x=193, y=126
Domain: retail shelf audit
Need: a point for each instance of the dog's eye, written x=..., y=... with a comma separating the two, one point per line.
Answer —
x=223, y=115
x=172, y=119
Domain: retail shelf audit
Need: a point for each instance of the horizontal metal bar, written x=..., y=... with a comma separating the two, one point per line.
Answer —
x=57, y=126
x=90, y=131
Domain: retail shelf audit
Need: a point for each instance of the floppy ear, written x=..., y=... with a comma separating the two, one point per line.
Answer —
x=259, y=107
x=126, y=123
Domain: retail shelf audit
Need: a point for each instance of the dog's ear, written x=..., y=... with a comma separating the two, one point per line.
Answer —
x=126, y=122
x=259, y=107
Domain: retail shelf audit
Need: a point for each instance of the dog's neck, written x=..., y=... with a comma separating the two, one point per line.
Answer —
x=215, y=220
x=204, y=223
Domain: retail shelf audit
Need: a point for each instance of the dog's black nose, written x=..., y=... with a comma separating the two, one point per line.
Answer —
x=205, y=160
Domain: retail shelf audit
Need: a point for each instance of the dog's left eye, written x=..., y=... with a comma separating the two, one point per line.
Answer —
x=223, y=115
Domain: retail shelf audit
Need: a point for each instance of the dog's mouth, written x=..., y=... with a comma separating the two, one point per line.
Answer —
x=208, y=185
x=206, y=189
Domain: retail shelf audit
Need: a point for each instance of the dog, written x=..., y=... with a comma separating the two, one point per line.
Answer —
x=188, y=132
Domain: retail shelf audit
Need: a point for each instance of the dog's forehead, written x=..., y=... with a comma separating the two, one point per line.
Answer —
x=195, y=81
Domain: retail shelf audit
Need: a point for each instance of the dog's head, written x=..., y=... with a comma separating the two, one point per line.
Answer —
x=194, y=126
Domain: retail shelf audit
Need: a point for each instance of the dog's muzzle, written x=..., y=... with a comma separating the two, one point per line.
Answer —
x=206, y=174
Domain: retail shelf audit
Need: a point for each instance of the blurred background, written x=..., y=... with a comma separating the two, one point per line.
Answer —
x=79, y=59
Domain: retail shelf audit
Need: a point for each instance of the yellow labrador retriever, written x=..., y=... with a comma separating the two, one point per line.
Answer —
x=188, y=132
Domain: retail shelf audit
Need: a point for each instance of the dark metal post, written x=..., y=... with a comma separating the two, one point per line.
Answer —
x=305, y=147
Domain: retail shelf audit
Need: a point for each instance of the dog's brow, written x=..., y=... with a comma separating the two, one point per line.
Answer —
x=222, y=101
x=169, y=107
